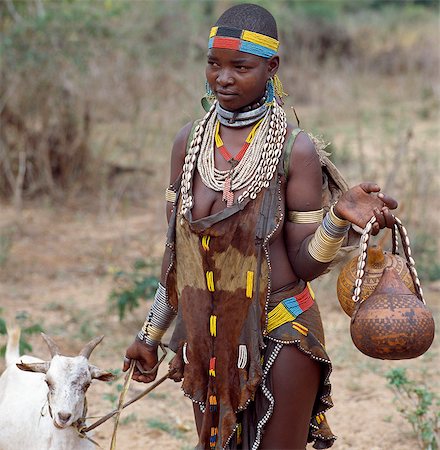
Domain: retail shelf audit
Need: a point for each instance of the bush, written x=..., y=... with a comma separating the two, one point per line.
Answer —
x=419, y=405
x=45, y=114
x=138, y=284
x=27, y=329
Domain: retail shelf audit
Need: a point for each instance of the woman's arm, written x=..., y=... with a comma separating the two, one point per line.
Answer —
x=303, y=193
x=306, y=249
x=178, y=158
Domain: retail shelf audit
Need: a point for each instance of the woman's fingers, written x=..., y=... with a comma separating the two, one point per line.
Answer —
x=126, y=364
x=375, y=229
x=390, y=202
x=143, y=378
x=389, y=218
x=380, y=219
x=368, y=187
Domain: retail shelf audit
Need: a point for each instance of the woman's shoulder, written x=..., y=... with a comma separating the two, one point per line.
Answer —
x=181, y=141
x=300, y=141
x=183, y=134
x=299, y=149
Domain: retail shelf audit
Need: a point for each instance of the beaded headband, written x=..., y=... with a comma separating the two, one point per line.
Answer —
x=243, y=41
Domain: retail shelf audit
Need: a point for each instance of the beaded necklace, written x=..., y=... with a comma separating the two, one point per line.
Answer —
x=228, y=195
x=252, y=173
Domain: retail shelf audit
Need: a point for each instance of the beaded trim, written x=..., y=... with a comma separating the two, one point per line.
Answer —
x=243, y=41
x=268, y=395
x=297, y=343
x=202, y=405
x=266, y=254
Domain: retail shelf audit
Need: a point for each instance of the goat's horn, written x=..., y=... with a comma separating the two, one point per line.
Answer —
x=88, y=349
x=53, y=347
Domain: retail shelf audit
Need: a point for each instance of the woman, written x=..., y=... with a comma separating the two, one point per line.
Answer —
x=246, y=232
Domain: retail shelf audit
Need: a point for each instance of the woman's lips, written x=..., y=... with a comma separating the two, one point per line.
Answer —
x=226, y=93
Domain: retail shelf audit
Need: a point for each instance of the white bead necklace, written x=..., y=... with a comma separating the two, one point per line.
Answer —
x=253, y=172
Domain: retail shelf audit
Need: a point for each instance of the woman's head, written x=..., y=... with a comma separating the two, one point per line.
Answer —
x=242, y=55
x=249, y=17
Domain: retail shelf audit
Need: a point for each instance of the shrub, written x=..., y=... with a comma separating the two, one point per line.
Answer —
x=419, y=405
x=135, y=285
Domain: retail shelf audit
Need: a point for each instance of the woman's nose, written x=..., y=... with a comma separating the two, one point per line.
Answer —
x=224, y=78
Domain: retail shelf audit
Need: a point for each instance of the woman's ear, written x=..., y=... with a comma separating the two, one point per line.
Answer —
x=273, y=64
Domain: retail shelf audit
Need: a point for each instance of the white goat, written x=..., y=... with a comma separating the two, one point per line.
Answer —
x=43, y=411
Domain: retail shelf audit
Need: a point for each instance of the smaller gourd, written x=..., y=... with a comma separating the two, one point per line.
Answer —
x=376, y=262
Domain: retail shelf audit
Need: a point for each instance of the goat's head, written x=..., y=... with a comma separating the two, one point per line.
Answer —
x=67, y=379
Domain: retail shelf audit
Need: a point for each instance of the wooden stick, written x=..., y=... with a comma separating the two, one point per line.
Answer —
x=134, y=399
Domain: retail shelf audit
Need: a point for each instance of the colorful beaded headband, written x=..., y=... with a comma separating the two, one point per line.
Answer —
x=243, y=41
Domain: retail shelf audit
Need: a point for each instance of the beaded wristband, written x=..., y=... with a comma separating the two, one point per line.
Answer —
x=170, y=195
x=158, y=319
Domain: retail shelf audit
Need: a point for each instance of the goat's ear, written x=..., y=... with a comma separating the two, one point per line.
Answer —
x=99, y=374
x=34, y=367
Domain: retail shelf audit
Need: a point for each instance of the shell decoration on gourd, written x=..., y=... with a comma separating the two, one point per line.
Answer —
x=392, y=322
x=376, y=262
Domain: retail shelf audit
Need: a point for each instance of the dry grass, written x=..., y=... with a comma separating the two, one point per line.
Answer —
x=57, y=258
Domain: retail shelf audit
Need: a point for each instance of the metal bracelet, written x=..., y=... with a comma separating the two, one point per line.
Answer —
x=332, y=229
x=158, y=319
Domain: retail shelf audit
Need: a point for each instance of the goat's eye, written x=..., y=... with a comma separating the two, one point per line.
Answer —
x=86, y=386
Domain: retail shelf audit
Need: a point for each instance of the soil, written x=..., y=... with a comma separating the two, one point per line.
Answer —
x=60, y=271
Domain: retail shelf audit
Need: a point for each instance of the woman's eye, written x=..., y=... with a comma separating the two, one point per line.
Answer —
x=213, y=63
x=242, y=68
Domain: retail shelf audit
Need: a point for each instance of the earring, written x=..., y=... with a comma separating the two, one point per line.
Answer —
x=270, y=92
x=210, y=96
x=279, y=90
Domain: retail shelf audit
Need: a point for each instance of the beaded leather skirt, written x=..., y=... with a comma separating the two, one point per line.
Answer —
x=306, y=333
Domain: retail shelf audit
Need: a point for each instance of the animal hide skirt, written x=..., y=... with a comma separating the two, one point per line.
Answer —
x=306, y=333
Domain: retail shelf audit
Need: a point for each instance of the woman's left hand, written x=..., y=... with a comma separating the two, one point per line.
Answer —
x=363, y=201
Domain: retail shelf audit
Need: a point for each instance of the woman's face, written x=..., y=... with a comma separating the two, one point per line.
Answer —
x=238, y=79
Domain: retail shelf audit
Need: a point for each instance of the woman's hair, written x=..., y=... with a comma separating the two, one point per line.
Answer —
x=249, y=17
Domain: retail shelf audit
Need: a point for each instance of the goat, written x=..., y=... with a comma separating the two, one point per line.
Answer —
x=45, y=410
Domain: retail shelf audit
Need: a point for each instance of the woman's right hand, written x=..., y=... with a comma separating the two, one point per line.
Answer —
x=146, y=357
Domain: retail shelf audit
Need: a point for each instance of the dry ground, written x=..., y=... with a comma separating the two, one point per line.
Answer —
x=59, y=271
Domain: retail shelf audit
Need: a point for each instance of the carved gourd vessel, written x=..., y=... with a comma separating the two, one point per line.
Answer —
x=376, y=262
x=393, y=322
